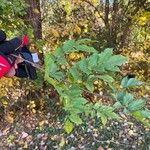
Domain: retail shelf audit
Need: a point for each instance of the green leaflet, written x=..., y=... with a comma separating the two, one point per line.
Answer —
x=106, y=78
x=89, y=85
x=83, y=66
x=75, y=74
x=105, y=112
x=92, y=61
x=130, y=82
x=79, y=101
x=85, y=41
x=85, y=48
x=120, y=96
x=117, y=105
x=145, y=113
x=127, y=99
x=104, y=56
x=124, y=82
x=113, y=63
x=136, y=105
x=68, y=46
x=139, y=116
x=74, y=91
x=134, y=82
x=57, y=75
x=69, y=126
x=116, y=60
x=76, y=119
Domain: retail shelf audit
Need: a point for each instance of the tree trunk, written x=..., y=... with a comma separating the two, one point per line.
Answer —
x=33, y=17
x=107, y=24
x=114, y=23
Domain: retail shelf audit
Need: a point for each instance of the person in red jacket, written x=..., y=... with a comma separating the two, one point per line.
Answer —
x=15, y=66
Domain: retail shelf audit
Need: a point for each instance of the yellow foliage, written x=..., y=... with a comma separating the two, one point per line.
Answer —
x=77, y=29
x=41, y=123
x=9, y=117
x=55, y=33
x=36, y=11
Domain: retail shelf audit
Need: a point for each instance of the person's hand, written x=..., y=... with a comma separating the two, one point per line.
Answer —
x=19, y=59
x=10, y=73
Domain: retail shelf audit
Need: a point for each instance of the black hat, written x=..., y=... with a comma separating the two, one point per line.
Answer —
x=2, y=36
x=15, y=43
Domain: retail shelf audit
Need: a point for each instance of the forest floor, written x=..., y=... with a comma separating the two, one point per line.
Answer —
x=34, y=123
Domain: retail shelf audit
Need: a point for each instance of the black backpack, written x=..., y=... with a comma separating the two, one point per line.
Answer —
x=26, y=69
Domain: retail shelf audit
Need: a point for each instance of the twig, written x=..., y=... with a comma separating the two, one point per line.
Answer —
x=33, y=64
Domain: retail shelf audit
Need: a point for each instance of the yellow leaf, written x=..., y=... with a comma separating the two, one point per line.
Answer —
x=68, y=126
x=77, y=29
x=55, y=33
x=33, y=105
x=9, y=118
x=41, y=123
x=36, y=11
x=34, y=111
x=62, y=142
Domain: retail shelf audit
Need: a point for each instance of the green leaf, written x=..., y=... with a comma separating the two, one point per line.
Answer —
x=92, y=61
x=62, y=61
x=116, y=60
x=104, y=56
x=120, y=96
x=103, y=119
x=69, y=126
x=113, y=63
x=130, y=82
x=68, y=46
x=89, y=85
x=97, y=106
x=117, y=105
x=75, y=74
x=127, y=99
x=124, y=82
x=79, y=101
x=134, y=82
x=136, y=105
x=51, y=65
x=85, y=48
x=85, y=41
x=75, y=118
x=114, y=90
x=59, y=52
x=146, y=113
x=106, y=78
x=138, y=115
x=83, y=66
x=57, y=75
x=75, y=90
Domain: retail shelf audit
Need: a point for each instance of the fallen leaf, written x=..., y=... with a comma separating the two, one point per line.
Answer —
x=24, y=135
x=100, y=148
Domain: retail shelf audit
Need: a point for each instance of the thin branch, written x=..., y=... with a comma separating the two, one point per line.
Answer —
x=95, y=9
